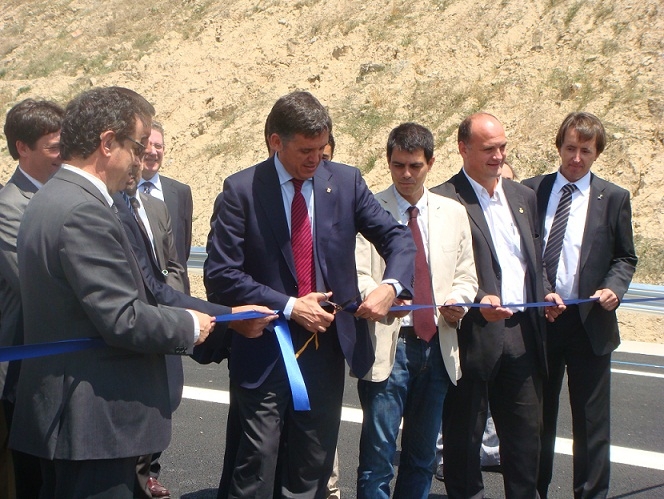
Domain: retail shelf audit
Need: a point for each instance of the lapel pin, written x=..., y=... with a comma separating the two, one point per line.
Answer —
x=329, y=189
x=600, y=196
x=520, y=210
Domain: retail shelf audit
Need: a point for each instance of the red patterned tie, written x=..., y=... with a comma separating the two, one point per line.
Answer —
x=302, y=242
x=423, y=323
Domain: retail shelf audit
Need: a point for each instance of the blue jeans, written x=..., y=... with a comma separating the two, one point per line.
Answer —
x=415, y=390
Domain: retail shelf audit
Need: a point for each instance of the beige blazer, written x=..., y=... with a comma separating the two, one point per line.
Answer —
x=452, y=272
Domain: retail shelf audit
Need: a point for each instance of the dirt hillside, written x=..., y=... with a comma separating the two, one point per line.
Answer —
x=213, y=70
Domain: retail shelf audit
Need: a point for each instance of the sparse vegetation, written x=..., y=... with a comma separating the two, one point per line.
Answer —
x=213, y=70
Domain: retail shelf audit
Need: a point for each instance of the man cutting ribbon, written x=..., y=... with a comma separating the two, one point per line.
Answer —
x=262, y=251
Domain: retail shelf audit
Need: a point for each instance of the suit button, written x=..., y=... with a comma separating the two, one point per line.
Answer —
x=180, y=350
x=499, y=276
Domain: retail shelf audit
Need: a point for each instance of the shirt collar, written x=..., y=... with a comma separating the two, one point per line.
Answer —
x=403, y=205
x=155, y=180
x=36, y=182
x=583, y=184
x=480, y=190
x=283, y=175
x=96, y=181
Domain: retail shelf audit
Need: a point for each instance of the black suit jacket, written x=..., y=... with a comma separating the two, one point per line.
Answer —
x=607, y=260
x=251, y=261
x=481, y=342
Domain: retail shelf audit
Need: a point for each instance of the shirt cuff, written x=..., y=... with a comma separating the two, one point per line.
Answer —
x=398, y=288
x=197, y=326
x=289, y=307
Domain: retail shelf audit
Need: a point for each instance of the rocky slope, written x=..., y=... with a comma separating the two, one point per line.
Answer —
x=213, y=70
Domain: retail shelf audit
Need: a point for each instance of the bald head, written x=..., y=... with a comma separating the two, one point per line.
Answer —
x=482, y=145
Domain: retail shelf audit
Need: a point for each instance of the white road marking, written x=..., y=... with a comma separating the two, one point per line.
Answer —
x=637, y=373
x=622, y=455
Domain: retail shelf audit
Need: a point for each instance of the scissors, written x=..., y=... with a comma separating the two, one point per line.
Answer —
x=349, y=306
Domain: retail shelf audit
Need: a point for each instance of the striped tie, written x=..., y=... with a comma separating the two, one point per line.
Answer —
x=554, y=244
x=302, y=242
x=147, y=187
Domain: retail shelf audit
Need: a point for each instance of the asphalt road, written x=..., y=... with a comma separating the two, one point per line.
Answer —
x=192, y=464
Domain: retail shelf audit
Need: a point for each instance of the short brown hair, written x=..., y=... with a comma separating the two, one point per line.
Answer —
x=29, y=120
x=587, y=126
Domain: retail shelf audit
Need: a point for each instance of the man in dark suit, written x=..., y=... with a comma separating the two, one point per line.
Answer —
x=591, y=254
x=152, y=243
x=253, y=258
x=89, y=414
x=501, y=349
x=32, y=129
x=176, y=195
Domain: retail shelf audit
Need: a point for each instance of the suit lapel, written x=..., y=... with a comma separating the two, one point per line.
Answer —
x=155, y=227
x=594, y=219
x=325, y=198
x=389, y=203
x=25, y=186
x=467, y=197
x=520, y=216
x=268, y=194
x=543, y=194
x=436, y=231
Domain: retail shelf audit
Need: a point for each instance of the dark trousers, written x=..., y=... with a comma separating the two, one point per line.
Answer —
x=7, y=489
x=514, y=393
x=278, y=445
x=589, y=383
x=92, y=479
x=27, y=472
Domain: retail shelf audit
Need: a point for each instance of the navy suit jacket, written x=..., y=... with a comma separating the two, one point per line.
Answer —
x=251, y=261
x=607, y=260
x=213, y=348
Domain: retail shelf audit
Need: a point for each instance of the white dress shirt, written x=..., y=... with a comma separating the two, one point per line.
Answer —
x=506, y=240
x=567, y=278
x=423, y=223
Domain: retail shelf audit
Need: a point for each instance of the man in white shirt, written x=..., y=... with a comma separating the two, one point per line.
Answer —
x=501, y=348
x=588, y=252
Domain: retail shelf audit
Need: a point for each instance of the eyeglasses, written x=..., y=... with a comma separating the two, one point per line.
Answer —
x=138, y=148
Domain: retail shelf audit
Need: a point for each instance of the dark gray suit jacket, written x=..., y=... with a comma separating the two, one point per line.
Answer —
x=14, y=197
x=165, y=250
x=481, y=342
x=177, y=197
x=79, y=279
x=608, y=259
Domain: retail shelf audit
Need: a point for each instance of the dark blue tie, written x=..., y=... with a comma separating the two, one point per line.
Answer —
x=554, y=244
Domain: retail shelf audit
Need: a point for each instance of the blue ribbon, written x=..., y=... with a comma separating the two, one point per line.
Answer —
x=298, y=388
x=42, y=349
x=511, y=305
x=575, y=301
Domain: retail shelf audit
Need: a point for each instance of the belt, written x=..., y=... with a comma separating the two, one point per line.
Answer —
x=409, y=331
x=515, y=319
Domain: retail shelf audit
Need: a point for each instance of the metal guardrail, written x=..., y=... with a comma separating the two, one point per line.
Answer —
x=198, y=256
